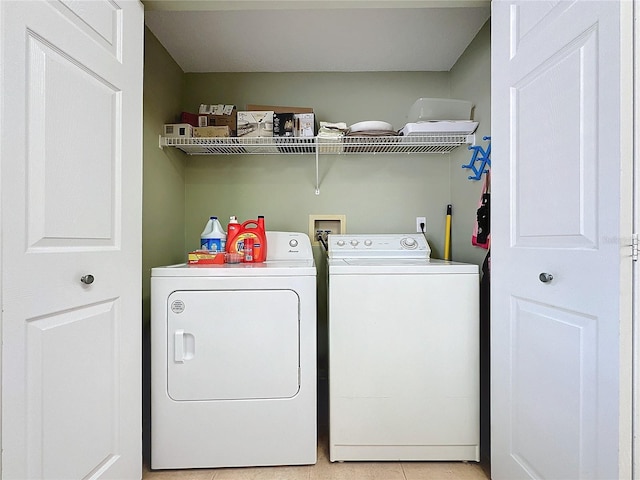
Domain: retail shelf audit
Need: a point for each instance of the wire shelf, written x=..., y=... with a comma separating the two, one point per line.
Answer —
x=435, y=143
x=347, y=145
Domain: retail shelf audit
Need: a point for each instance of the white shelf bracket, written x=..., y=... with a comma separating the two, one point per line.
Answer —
x=317, y=171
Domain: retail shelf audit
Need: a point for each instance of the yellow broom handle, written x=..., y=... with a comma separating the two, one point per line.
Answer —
x=447, y=235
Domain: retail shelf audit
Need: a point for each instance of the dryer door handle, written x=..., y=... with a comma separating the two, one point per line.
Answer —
x=178, y=346
x=184, y=346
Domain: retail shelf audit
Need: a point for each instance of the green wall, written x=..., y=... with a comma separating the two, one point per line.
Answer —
x=163, y=226
x=377, y=193
x=381, y=193
x=470, y=80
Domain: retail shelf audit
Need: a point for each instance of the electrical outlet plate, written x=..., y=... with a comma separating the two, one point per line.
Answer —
x=420, y=220
x=332, y=223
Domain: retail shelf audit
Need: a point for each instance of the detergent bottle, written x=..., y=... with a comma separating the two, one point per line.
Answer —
x=213, y=237
x=235, y=243
x=232, y=230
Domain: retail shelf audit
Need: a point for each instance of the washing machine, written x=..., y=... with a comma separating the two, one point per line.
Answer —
x=233, y=358
x=403, y=351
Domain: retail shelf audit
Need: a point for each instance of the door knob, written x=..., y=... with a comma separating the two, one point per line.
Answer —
x=87, y=279
x=545, y=277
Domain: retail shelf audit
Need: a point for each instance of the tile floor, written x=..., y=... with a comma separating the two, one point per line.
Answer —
x=325, y=470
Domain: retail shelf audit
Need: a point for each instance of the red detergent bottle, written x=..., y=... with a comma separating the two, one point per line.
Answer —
x=254, y=229
x=232, y=230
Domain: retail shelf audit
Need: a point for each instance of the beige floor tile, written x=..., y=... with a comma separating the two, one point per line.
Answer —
x=443, y=471
x=264, y=473
x=192, y=474
x=325, y=470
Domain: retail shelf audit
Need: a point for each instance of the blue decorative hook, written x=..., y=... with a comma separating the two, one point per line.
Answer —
x=479, y=155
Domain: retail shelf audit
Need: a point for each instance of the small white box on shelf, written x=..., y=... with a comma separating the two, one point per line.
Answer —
x=458, y=127
x=178, y=130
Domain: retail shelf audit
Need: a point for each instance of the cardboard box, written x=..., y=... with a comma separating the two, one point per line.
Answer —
x=221, y=116
x=304, y=124
x=255, y=124
x=208, y=132
x=280, y=109
x=194, y=119
x=204, y=257
x=178, y=130
x=283, y=124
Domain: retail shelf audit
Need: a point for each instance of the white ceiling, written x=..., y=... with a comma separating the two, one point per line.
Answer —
x=315, y=36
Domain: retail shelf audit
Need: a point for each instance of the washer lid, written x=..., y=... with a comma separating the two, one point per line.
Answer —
x=395, y=266
x=270, y=268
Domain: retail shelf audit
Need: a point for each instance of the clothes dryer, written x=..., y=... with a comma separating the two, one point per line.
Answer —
x=403, y=351
x=233, y=352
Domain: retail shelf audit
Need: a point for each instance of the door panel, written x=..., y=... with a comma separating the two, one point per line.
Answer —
x=554, y=159
x=553, y=389
x=561, y=205
x=233, y=344
x=101, y=21
x=72, y=368
x=529, y=15
x=70, y=159
x=71, y=172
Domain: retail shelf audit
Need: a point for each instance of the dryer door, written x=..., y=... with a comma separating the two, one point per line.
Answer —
x=231, y=345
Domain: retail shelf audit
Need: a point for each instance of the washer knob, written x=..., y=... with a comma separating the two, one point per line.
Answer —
x=340, y=243
x=293, y=243
x=368, y=243
x=409, y=242
x=354, y=242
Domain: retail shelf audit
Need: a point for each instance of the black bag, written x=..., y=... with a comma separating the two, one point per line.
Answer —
x=482, y=229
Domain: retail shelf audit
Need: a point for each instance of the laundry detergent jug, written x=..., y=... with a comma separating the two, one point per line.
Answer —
x=253, y=229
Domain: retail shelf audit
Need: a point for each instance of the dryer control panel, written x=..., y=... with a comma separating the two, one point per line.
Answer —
x=393, y=245
x=288, y=246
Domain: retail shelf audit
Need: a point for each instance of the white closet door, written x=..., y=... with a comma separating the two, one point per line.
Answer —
x=561, y=227
x=71, y=157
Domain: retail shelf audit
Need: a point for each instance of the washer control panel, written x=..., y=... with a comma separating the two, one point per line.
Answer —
x=393, y=245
